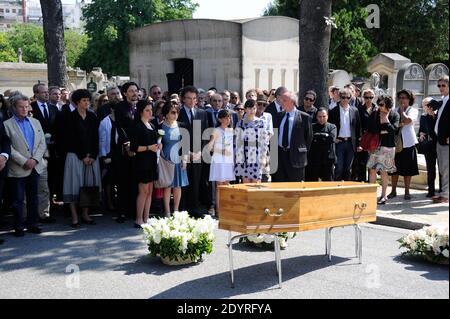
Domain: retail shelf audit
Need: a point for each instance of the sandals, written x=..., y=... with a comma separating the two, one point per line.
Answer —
x=391, y=195
x=382, y=201
x=407, y=197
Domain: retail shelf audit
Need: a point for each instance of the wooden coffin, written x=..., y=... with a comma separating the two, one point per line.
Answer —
x=292, y=207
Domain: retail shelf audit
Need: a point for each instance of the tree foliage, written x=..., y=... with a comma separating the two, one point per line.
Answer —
x=30, y=38
x=7, y=53
x=108, y=23
x=417, y=29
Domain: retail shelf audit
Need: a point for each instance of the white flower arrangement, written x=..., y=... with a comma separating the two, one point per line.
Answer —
x=429, y=242
x=266, y=241
x=180, y=236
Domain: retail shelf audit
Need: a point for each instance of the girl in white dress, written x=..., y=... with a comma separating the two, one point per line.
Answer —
x=221, y=145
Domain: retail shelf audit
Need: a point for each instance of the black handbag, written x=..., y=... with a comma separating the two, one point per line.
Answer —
x=89, y=195
x=426, y=146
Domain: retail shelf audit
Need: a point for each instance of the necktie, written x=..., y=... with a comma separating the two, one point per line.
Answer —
x=45, y=111
x=285, y=140
x=192, y=116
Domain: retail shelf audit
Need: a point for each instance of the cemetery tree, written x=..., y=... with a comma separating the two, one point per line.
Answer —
x=108, y=23
x=314, y=42
x=54, y=41
x=417, y=29
x=7, y=53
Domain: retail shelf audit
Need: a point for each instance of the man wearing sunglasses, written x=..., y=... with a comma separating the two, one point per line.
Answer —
x=439, y=119
x=347, y=121
x=308, y=105
x=156, y=92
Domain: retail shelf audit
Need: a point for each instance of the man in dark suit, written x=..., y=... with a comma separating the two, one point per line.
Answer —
x=294, y=140
x=275, y=107
x=195, y=120
x=5, y=152
x=124, y=112
x=46, y=114
x=440, y=122
x=347, y=121
x=308, y=105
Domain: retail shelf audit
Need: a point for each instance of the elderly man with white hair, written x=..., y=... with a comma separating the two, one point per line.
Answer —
x=294, y=139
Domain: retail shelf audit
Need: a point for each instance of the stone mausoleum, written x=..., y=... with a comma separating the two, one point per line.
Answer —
x=236, y=55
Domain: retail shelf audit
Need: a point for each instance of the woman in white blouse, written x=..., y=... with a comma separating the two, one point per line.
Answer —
x=406, y=160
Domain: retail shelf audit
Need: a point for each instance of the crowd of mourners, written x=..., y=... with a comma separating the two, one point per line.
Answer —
x=57, y=144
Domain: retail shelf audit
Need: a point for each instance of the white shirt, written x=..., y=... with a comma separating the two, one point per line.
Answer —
x=408, y=133
x=345, y=130
x=291, y=126
x=441, y=110
x=332, y=105
x=71, y=107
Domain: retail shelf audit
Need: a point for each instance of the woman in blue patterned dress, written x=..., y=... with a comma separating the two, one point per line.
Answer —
x=171, y=151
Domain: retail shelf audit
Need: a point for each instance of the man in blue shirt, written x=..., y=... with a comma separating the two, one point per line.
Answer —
x=26, y=163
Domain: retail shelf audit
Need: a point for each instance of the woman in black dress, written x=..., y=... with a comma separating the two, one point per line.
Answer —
x=144, y=144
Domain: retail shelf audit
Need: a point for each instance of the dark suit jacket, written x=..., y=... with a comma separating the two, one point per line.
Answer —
x=272, y=109
x=355, y=123
x=48, y=126
x=5, y=147
x=61, y=133
x=323, y=144
x=444, y=126
x=202, y=118
x=301, y=137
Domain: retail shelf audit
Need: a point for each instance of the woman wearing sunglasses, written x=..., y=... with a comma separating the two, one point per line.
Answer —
x=383, y=121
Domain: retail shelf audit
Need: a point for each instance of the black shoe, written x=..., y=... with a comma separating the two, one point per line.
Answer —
x=47, y=220
x=121, y=219
x=430, y=195
x=137, y=225
x=382, y=201
x=19, y=233
x=88, y=222
x=76, y=225
x=392, y=195
x=34, y=230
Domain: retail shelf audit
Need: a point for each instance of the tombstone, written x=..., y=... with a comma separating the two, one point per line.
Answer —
x=338, y=78
x=433, y=73
x=76, y=79
x=387, y=65
x=98, y=78
x=412, y=77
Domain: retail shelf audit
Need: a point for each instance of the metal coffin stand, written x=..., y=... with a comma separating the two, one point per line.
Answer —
x=342, y=204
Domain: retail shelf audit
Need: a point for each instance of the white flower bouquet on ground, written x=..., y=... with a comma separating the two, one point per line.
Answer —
x=267, y=241
x=180, y=237
x=430, y=243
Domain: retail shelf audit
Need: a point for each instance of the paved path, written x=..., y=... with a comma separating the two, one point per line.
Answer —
x=113, y=263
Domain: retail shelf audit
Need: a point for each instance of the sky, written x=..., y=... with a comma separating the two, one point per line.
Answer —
x=225, y=9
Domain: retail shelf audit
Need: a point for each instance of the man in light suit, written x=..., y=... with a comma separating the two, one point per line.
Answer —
x=26, y=163
x=294, y=139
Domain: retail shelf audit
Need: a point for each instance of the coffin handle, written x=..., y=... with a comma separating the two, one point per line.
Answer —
x=361, y=206
x=278, y=214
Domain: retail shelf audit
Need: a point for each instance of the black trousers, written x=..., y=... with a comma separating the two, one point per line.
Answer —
x=286, y=172
x=190, y=196
x=359, y=169
x=323, y=170
x=431, y=159
x=127, y=187
x=29, y=186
